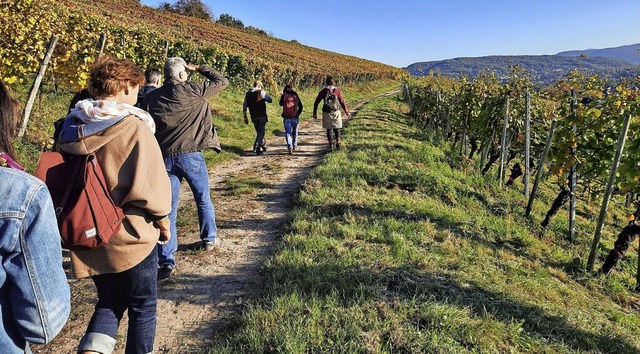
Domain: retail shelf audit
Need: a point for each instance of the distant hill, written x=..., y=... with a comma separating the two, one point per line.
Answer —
x=545, y=69
x=628, y=53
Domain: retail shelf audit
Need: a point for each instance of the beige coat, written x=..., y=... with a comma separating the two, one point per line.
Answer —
x=135, y=174
x=332, y=120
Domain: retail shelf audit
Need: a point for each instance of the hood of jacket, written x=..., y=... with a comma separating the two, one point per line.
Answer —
x=86, y=128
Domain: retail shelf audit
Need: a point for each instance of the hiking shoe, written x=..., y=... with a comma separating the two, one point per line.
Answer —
x=264, y=147
x=290, y=150
x=211, y=245
x=165, y=271
x=337, y=146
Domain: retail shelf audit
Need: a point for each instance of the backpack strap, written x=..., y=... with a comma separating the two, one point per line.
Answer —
x=67, y=191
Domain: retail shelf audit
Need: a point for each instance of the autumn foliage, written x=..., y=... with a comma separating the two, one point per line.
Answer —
x=147, y=36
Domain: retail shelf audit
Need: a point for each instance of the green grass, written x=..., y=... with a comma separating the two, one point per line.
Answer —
x=396, y=245
x=246, y=186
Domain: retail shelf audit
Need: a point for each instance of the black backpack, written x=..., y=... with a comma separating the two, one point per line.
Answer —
x=331, y=102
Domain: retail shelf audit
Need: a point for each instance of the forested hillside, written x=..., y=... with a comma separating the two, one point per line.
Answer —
x=629, y=53
x=544, y=69
x=147, y=36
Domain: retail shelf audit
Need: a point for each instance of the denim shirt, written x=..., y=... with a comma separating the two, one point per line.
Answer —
x=34, y=293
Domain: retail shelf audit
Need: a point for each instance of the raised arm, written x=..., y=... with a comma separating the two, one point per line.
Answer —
x=216, y=82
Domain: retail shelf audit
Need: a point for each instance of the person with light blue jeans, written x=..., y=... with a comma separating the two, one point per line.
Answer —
x=193, y=168
x=291, y=111
x=184, y=128
x=34, y=293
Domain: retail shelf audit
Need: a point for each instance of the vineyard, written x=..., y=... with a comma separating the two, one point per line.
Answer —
x=147, y=36
x=575, y=129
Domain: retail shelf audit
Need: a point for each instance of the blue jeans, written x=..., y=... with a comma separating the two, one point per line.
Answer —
x=291, y=132
x=192, y=167
x=135, y=290
x=260, y=124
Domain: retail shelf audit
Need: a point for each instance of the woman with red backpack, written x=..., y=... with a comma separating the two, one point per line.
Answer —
x=291, y=110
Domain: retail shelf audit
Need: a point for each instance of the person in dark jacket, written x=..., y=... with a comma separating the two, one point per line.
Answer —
x=291, y=111
x=152, y=77
x=184, y=128
x=255, y=99
x=79, y=96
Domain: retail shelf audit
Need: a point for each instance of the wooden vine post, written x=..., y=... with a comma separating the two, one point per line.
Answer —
x=439, y=110
x=638, y=271
x=543, y=157
x=503, y=144
x=527, y=144
x=607, y=194
x=101, y=43
x=123, y=47
x=36, y=85
x=573, y=178
x=447, y=124
x=485, y=150
x=166, y=49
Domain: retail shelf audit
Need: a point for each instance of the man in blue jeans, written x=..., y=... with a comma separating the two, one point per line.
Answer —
x=184, y=127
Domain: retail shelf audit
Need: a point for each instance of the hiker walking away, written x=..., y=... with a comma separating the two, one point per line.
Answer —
x=332, y=99
x=182, y=114
x=34, y=294
x=255, y=99
x=291, y=111
x=152, y=77
x=125, y=269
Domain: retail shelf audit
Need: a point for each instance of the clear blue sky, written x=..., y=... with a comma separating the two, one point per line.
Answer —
x=401, y=32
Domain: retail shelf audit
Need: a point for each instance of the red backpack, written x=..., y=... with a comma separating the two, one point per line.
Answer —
x=87, y=215
x=290, y=106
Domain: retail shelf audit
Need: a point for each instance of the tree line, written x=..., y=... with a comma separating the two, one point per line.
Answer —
x=197, y=9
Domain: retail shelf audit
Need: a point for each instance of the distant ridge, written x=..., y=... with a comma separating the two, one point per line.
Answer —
x=610, y=63
x=628, y=53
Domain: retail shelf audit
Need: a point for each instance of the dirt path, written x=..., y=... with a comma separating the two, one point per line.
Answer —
x=209, y=287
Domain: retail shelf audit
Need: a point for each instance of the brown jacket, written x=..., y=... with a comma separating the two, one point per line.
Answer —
x=135, y=174
x=182, y=113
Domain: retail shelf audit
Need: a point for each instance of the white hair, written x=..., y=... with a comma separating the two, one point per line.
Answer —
x=173, y=67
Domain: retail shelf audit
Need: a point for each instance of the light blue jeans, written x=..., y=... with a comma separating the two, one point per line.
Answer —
x=291, y=132
x=192, y=167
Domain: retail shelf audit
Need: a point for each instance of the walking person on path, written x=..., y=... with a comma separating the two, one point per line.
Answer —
x=125, y=269
x=255, y=99
x=332, y=99
x=34, y=294
x=291, y=111
x=182, y=114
